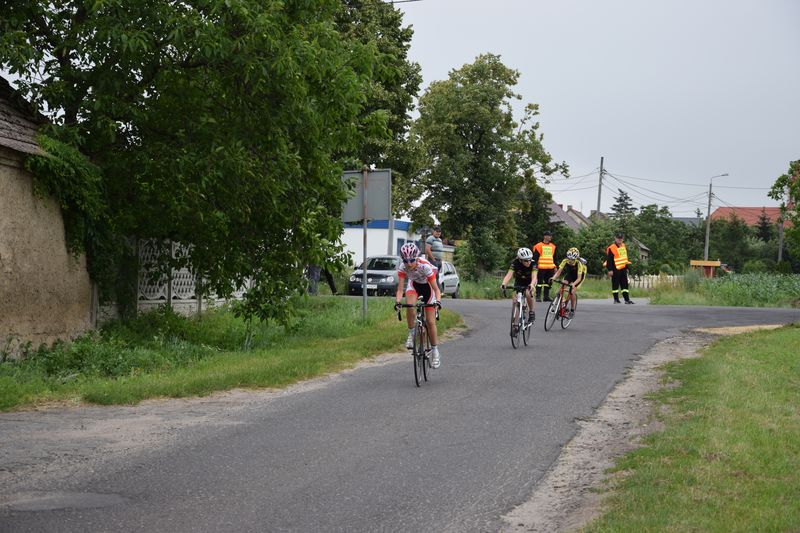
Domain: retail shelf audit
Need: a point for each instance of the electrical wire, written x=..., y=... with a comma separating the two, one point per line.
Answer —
x=696, y=184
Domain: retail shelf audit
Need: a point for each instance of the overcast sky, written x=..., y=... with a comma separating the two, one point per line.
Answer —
x=673, y=91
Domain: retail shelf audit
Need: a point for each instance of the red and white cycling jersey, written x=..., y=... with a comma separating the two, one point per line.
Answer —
x=424, y=273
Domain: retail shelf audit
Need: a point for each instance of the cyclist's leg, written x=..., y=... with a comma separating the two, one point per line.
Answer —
x=531, y=301
x=514, y=308
x=411, y=299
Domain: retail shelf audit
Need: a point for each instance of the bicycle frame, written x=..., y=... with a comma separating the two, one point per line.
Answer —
x=422, y=343
x=560, y=307
x=519, y=315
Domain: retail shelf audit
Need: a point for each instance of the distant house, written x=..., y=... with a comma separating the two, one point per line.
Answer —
x=689, y=221
x=581, y=219
x=558, y=215
x=749, y=214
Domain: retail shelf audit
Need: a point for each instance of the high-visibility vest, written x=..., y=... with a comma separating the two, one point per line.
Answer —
x=620, y=256
x=547, y=253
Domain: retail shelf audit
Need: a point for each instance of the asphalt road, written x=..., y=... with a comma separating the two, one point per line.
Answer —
x=372, y=452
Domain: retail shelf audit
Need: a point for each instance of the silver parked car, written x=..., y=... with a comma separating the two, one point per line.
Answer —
x=448, y=280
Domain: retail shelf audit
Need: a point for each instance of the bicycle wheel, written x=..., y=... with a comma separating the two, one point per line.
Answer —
x=552, y=313
x=514, y=328
x=418, y=353
x=566, y=318
x=426, y=358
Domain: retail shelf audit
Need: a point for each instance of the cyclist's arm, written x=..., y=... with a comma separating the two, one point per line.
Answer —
x=557, y=273
x=507, y=278
x=401, y=284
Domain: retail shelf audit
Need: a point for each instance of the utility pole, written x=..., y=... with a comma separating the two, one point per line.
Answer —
x=708, y=215
x=599, y=187
x=780, y=238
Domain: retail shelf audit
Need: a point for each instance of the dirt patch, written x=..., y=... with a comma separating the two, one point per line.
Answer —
x=568, y=496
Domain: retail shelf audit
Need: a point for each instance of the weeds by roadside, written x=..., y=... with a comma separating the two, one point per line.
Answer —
x=162, y=354
x=736, y=290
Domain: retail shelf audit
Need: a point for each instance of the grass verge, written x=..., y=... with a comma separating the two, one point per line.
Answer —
x=729, y=456
x=164, y=355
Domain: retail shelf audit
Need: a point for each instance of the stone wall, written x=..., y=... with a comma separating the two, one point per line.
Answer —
x=45, y=292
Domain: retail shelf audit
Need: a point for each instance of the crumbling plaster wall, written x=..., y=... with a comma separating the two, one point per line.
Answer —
x=45, y=291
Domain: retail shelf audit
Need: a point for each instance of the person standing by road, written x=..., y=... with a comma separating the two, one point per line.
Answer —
x=544, y=254
x=617, y=263
x=434, y=247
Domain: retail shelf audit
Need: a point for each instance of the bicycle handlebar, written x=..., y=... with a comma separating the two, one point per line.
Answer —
x=518, y=288
x=418, y=306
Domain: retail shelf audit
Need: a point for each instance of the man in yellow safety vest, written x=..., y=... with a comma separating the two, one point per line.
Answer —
x=544, y=255
x=617, y=263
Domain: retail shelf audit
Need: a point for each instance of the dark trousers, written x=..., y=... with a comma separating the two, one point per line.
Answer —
x=544, y=281
x=329, y=279
x=619, y=284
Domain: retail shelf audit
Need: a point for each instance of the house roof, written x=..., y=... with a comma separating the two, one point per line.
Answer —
x=18, y=121
x=748, y=214
x=557, y=214
x=579, y=217
x=689, y=221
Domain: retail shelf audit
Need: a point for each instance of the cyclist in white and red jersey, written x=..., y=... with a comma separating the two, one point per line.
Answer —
x=417, y=279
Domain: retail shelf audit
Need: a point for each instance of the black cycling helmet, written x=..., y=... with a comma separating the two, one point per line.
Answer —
x=547, y=233
x=619, y=235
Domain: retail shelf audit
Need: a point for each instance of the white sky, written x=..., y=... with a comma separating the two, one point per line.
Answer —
x=671, y=90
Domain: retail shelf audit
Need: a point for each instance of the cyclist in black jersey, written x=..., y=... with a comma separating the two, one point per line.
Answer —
x=524, y=272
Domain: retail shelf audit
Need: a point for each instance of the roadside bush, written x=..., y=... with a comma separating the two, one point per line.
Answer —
x=692, y=280
x=754, y=266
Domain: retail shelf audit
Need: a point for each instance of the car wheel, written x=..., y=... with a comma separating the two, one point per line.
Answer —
x=456, y=294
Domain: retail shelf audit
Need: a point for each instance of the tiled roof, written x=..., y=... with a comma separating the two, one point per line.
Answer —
x=18, y=125
x=559, y=215
x=748, y=214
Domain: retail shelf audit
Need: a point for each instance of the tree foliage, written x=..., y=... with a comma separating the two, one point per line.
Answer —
x=394, y=86
x=477, y=158
x=214, y=123
x=786, y=190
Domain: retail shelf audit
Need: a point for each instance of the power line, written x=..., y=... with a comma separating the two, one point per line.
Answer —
x=696, y=184
x=669, y=198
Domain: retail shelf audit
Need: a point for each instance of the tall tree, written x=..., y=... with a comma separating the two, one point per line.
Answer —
x=764, y=227
x=786, y=190
x=730, y=241
x=477, y=157
x=395, y=85
x=669, y=240
x=214, y=123
x=623, y=206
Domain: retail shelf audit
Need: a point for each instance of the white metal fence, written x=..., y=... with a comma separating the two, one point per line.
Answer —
x=652, y=280
x=178, y=289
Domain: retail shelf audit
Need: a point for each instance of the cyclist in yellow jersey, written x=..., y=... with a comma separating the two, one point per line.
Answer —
x=574, y=271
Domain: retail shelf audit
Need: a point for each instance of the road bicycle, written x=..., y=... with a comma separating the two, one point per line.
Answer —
x=560, y=308
x=422, y=342
x=520, y=311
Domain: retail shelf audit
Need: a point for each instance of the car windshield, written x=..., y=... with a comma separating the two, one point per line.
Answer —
x=382, y=263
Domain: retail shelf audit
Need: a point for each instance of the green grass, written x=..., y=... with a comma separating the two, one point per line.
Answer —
x=729, y=456
x=736, y=290
x=164, y=355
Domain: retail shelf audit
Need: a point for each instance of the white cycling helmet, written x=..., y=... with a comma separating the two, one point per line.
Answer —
x=573, y=254
x=524, y=254
x=409, y=251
